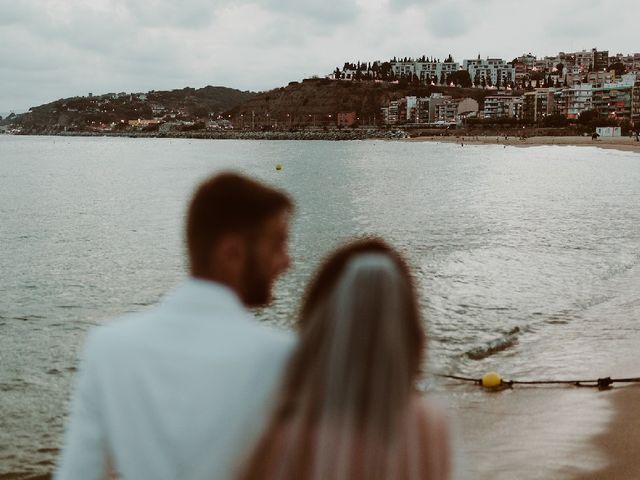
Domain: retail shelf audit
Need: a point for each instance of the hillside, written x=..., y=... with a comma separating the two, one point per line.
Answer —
x=104, y=111
x=317, y=101
x=307, y=104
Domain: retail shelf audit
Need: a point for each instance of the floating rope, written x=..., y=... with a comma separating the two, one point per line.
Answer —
x=494, y=381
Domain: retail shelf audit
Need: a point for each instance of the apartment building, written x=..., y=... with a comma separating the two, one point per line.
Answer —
x=524, y=65
x=419, y=111
x=435, y=111
x=600, y=60
x=613, y=101
x=490, y=70
x=538, y=104
x=635, y=103
x=572, y=101
x=584, y=60
x=501, y=106
x=599, y=78
x=446, y=111
x=451, y=110
x=424, y=70
x=403, y=69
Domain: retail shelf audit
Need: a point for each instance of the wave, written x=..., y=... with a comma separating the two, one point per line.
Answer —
x=498, y=345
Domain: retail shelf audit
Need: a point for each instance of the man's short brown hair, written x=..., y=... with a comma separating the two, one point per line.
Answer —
x=227, y=203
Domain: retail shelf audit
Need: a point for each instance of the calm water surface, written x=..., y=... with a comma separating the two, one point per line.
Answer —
x=527, y=262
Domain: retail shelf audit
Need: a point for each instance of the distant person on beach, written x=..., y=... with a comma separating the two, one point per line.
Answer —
x=348, y=407
x=180, y=390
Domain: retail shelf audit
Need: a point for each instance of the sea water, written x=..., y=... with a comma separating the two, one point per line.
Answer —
x=527, y=262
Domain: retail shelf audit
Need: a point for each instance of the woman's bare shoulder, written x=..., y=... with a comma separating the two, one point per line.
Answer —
x=430, y=412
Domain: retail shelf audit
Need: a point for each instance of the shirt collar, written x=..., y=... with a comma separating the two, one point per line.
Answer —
x=204, y=297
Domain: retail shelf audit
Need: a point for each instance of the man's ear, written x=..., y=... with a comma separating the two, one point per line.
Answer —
x=230, y=253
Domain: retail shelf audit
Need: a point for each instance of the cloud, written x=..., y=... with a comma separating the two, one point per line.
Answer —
x=448, y=20
x=194, y=14
x=56, y=48
x=12, y=12
x=328, y=12
x=400, y=5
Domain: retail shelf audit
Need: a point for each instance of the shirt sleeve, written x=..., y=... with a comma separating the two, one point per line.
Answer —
x=83, y=454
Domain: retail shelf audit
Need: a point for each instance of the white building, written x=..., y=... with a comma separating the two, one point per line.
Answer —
x=489, y=70
x=575, y=100
x=424, y=70
x=626, y=80
x=411, y=103
x=609, y=131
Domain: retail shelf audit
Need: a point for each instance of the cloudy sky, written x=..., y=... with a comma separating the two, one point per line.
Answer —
x=52, y=49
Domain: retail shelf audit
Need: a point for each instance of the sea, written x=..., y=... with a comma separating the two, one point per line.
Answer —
x=527, y=262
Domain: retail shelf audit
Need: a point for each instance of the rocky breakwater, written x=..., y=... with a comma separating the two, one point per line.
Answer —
x=330, y=134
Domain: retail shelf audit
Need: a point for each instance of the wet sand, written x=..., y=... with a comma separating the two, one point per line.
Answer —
x=626, y=144
x=528, y=433
x=621, y=441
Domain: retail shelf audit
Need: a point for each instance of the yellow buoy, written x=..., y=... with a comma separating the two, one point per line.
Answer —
x=278, y=166
x=491, y=380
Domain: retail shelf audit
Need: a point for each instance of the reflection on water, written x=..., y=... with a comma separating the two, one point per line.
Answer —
x=527, y=261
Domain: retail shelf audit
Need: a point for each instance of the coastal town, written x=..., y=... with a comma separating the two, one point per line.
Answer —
x=550, y=91
x=588, y=91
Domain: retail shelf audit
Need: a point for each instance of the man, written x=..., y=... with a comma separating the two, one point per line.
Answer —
x=180, y=391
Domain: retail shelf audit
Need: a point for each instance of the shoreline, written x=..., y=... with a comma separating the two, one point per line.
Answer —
x=625, y=144
x=618, y=443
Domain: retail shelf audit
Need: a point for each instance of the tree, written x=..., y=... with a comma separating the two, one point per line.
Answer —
x=460, y=77
x=385, y=70
x=560, y=69
x=539, y=75
x=619, y=68
x=442, y=78
x=476, y=78
x=587, y=117
x=557, y=120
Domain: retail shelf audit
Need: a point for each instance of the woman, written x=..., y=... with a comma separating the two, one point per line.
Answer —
x=348, y=408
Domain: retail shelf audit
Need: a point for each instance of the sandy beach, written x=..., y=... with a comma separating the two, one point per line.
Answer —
x=626, y=144
x=620, y=442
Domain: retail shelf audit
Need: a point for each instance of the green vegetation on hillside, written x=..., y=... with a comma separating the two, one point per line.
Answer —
x=114, y=111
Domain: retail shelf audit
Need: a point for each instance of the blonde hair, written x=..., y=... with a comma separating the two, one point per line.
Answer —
x=342, y=408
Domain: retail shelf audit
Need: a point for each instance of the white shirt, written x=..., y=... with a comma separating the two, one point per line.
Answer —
x=177, y=392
